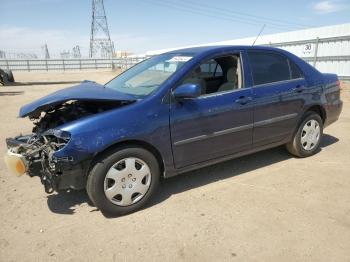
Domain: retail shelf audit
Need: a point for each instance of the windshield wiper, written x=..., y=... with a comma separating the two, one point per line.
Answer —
x=148, y=85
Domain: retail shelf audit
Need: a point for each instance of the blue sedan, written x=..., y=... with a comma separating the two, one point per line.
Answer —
x=170, y=114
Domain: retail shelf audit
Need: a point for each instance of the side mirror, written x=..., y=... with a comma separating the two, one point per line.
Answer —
x=187, y=91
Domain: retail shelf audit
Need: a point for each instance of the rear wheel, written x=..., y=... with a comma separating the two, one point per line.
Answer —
x=122, y=181
x=307, y=139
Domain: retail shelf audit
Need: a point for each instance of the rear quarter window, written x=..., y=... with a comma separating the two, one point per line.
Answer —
x=295, y=71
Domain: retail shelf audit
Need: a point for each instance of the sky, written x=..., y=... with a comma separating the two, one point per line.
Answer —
x=142, y=25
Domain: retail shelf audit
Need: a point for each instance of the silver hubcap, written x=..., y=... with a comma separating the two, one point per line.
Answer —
x=127, y=181
x=310, y=135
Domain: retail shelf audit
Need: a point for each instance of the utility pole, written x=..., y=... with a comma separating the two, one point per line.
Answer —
x=100, y=40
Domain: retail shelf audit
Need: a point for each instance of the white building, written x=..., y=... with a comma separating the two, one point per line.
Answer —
x=327, y=48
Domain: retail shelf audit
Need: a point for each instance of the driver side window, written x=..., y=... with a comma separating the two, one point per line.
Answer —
x=221, y=74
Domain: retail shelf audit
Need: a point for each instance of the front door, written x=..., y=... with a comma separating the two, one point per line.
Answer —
x=211, y=127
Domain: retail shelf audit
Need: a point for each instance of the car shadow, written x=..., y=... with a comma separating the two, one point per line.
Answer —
x=68, y=202
x=227, y=169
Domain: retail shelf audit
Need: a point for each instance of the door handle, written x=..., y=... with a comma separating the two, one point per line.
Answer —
x=299, y=88
x=243, y=100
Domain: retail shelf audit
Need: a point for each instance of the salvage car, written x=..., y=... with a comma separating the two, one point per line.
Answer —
x=170, y=114
x=6, y=76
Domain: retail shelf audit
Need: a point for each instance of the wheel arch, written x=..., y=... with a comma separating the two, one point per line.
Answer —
x=139, y=143
x=316, y=108
x=319, y=110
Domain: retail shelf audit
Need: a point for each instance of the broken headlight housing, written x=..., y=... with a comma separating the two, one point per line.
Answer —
x=56, y=139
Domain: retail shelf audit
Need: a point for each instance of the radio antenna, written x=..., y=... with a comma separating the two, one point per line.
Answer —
x=261, y=30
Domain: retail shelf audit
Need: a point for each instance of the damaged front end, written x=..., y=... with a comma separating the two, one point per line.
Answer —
x=33, y=155
x=50, y=152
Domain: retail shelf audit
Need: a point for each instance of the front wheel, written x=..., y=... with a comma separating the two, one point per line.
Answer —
x=307, y=139
x=122, y=181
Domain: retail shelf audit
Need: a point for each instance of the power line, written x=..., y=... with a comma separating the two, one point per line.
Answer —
x=197, y=12
x=201, y=9
x=214, y=14
x=244, y=15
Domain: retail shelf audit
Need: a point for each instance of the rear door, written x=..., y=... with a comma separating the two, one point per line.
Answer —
x=278, y=87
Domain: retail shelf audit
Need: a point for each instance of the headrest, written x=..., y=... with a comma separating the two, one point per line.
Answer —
x=196, y=72
x=231, y=74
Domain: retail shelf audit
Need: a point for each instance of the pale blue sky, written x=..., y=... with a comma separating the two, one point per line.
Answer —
x=141, y=25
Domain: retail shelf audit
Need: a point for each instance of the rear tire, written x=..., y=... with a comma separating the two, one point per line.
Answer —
x=306, y=140
x=123, y=180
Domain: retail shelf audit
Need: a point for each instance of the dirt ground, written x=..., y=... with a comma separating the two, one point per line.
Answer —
x=268, y=206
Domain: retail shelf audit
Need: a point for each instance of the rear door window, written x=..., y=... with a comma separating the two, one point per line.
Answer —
x=268, y=67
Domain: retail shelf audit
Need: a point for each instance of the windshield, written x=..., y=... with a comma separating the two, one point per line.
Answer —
x=147, y=76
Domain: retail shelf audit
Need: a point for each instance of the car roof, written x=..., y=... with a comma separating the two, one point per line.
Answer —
x=220, y=48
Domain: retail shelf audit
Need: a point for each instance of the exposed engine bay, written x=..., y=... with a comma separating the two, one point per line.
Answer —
x=33, y=154
x=69, y=111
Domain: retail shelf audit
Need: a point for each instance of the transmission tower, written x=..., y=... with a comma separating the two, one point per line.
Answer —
x=2, y=54
x=46, y=51
x=100, y=40
x=76, y=52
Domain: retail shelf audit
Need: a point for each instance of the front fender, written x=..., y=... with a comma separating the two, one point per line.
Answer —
x=143, y=121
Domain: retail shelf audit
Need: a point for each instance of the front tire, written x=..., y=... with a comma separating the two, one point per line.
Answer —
x=306, y=141
x=123, y=180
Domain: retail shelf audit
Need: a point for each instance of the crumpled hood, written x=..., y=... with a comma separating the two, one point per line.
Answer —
x=86, y=91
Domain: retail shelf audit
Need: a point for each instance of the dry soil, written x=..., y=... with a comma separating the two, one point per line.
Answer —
x=268, y=206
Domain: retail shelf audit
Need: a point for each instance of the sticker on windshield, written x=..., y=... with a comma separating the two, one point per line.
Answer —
x=180, y=59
